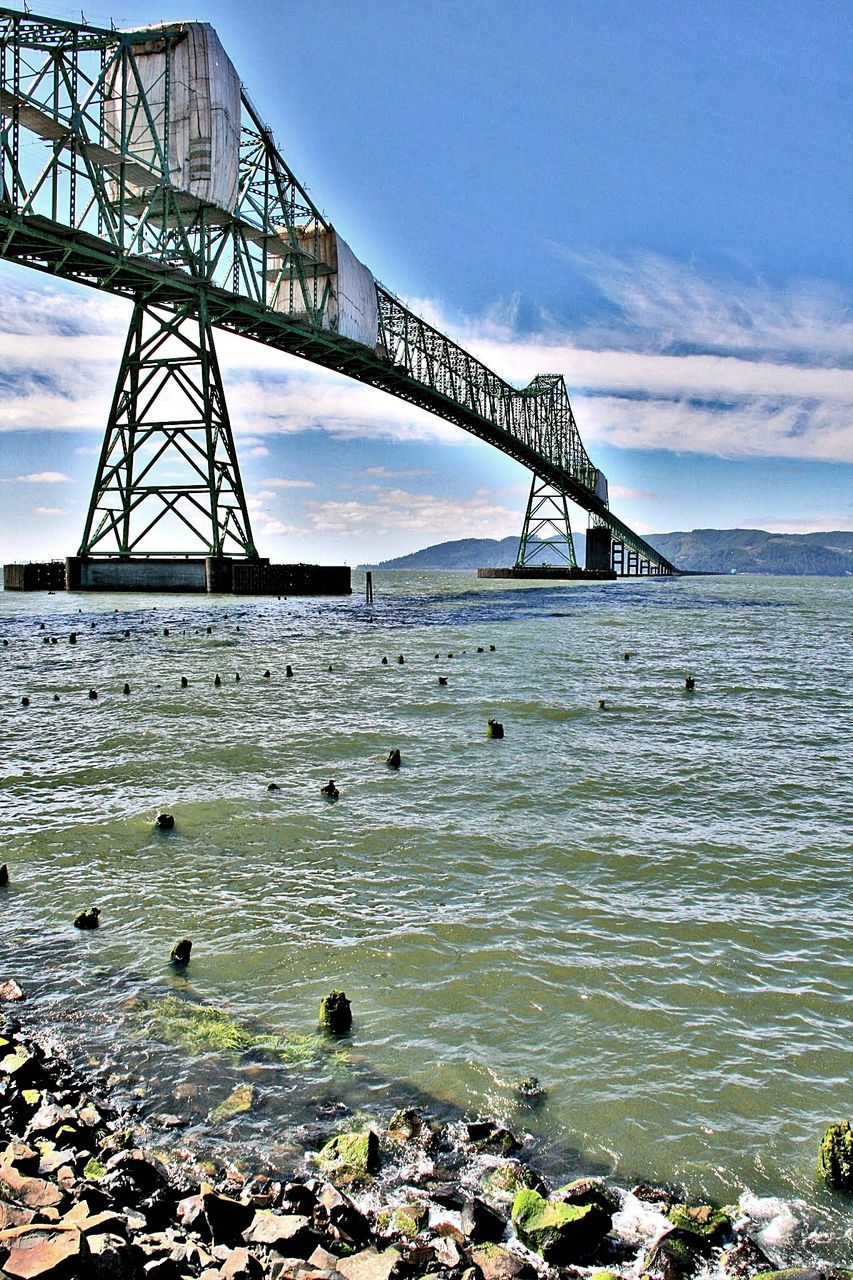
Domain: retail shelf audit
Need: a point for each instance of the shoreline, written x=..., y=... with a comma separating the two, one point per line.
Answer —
x=84, y=1193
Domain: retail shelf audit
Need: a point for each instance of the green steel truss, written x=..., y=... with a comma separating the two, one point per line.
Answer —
x=70, y=206
x=168, y=461
x=547, y=532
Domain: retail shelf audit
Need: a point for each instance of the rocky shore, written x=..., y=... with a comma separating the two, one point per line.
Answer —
x=83, y=1195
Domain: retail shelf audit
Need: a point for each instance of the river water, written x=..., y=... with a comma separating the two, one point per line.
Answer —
x=646, y=906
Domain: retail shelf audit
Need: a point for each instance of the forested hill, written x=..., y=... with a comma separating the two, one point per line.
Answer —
x=711, y=550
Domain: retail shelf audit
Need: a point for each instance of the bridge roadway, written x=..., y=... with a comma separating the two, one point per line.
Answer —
x=411, y=360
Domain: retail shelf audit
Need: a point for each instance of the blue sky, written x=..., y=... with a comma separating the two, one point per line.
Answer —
x=651, y=199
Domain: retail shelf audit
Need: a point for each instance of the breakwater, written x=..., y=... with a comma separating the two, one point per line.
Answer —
x=631, y=903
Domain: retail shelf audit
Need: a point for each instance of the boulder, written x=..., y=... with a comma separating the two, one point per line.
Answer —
x=289, y=1233
x=506, y=1180
x=560, y=1233
x=712, y=1225
x=45, y=1252
x=484, y=1135
x=335, y=1013
x=673, y=1256
x=350, y=1157
x=226, y=1219
x=744, y=1260
x=112, y=1258
x=241, y=1265
x=835, y=1157
x=480, y=1223
x=588, y=1191
x=30, y=1193
x=370, y=1264
x=497, y=1263
x=21, y=1157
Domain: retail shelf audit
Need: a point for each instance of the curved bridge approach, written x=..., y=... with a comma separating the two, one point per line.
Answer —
x=135, y=162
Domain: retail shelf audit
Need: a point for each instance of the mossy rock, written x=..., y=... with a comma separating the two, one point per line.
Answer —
x=605, y=1275
x=201, y=1028
x=409, y=1220
x=805, y=1273
x=835, y=1157
x=588, y=1191
x=674, y=1256
x=505, y=1181
x=238, y=1101
x=94, y=1170
x=350, y=1158
x=560, y=1233
x=702, y=1220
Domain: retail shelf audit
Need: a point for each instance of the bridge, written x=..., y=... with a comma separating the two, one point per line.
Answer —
x=136, y=163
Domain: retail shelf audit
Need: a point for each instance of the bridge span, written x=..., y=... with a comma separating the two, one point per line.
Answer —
x=135, y=162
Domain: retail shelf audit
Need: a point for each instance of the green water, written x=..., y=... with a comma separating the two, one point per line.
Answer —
x=646, y=906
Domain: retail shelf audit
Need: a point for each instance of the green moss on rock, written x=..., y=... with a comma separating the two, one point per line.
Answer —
x=505, y=1181
x=201, y=1028
x=94, y=1170
x=350, y=1157
x=835, y=1157
x=588, y=1191
x=238, y=1101
x=702, y=1220
x=560, y=1233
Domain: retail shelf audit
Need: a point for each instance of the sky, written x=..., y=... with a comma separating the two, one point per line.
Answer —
x=653, y=200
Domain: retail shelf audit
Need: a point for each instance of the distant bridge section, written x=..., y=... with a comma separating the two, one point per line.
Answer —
x=135, y=162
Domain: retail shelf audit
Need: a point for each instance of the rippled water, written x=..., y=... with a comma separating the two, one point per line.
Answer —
x=647, y=906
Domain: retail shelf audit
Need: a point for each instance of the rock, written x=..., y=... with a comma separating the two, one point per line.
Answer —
x=805, y=1273
x=560, y=1233
x=226, y=1218
x=165, y=822
x=505, y=1181
x=323, y=1260
x=652, y=1195
x=180, y=953
x=239, y=1100
x=289, y=1233
x=88, y=919
x=330, y=791
x=14, y=1215
x=447, y=1253
x=408, y=1220
x=405, y=1124
x=480, y=1223
x=588, y=1191
x=371, y=1265
x=44, y=1252
x=342, y=1219
x=497, y=1263
x=351, y=1157
x=672, y=1257
x=835, y=1157
x=4, y=875
x=486, y=1136
x=112, y=1258
x=30, y=1193
x=744, y=1260
x=241, y=1265
x=712, y=1225
x=21, y=1157
x=336, y=1013
x=148, y=1174
x=394, y=759
x=494, y=729
x=530, y=1093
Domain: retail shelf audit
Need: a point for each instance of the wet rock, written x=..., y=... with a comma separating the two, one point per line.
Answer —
x=711, y=1225
x=43, y=1252
x=560, y=1233
x=273, y=786
x=288, y=671
x=335, y=1013
x=330, y=791
x=370, y=1264
x=484, y=1135
x=126, y=689
x=406, y=1220
x=239, y=1100
x=744, y=1259
x=288, y=1233
x=508, y=1179
x=165, y=822
x=494, y=729
x=4, y=875
x=497, y=1263
x=394, y=759
x=299, y=1197
x=806, y=1273
x=180, y=953
x=650, y=1194
x=480, y=1223
x=93, y=695
x=589, y=1191
x=10, y=990
x=350, y=1158
x=448, y=1253
x=111, y=1257
x=225, y=1217
x=530, y=1093
x=337, y=1214
x=835, y=1157
x=672, y=1257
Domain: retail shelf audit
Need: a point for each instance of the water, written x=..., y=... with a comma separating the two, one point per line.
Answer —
x=646, y=906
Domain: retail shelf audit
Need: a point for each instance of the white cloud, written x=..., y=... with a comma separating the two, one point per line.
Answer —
x=44, y=477
x=277, y=482
x=255, y=451
x=817, y=524
x=433, y=515
x=273, y=528
x=51, y=511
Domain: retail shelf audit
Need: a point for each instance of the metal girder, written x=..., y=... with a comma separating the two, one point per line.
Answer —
x=168, y=459
x=95, y=205
x=547, y=527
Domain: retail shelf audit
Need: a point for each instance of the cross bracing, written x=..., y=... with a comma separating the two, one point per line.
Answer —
x=87, y=192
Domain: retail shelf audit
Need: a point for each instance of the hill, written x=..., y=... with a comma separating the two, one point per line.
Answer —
x=709, y=550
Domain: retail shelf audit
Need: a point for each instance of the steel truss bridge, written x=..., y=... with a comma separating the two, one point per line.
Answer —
x=88, y=192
